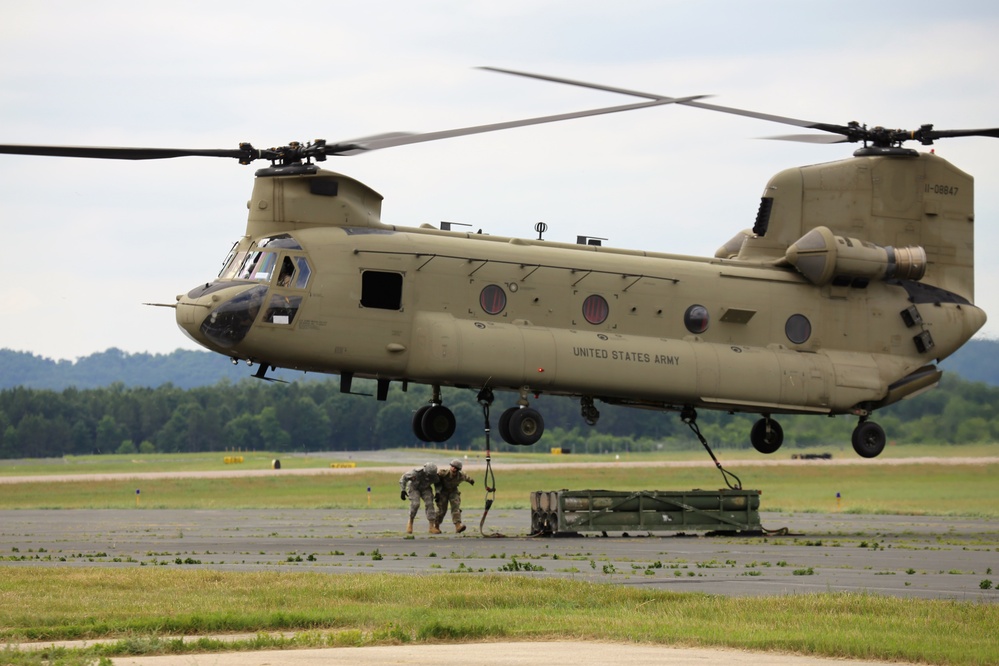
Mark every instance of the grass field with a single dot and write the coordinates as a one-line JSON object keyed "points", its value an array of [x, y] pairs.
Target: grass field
{"points": [[139, 605], [968, 489]]}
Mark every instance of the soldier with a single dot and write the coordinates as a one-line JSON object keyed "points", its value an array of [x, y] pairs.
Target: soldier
{"points": [[416, 485], [447, 491]]}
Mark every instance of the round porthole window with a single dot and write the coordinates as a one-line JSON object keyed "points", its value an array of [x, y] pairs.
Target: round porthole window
{"points": [[696, 319], [492, 299], [798, 329], [595, 309]]}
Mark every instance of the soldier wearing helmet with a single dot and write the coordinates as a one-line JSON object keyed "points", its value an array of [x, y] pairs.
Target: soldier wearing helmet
{"points": [[448, 493], [416, 485]]}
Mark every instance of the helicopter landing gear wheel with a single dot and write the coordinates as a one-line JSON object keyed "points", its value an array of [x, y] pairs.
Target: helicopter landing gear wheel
{"points": [[868, 439], [521, 426], [766, 435], [526, 426], [437, 423], [418, 423], [504, 425]]}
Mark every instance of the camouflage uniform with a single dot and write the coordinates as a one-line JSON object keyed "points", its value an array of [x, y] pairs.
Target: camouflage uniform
{"points": [[447, 492], [416, 485]]}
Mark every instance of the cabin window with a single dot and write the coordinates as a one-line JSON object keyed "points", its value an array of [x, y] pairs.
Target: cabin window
{"points": [[492, 299], [380, 289], [696, 319], [595, 309], [798, 329]]}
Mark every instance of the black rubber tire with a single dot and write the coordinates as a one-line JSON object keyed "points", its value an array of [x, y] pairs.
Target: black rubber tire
{"points": [[868, 439], [526, 426], [418, 423], [763, 441], [438, 423]]}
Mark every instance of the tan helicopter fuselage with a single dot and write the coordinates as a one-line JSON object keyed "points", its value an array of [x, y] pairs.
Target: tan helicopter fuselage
{"points": [[858, 277]]}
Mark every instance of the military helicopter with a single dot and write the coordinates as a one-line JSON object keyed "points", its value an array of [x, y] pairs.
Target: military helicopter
{"points": [[855, 280]]}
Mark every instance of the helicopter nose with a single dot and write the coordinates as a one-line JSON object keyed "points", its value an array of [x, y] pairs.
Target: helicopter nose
{"points": [[219, 316], [974, 319]]}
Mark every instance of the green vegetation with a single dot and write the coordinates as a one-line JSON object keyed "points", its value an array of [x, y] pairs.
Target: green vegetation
{"points": [[316, 416], [868, 487], [140, 606]]}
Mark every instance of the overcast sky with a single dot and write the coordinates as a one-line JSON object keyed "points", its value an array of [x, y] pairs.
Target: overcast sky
{"points": [[86, 243]]}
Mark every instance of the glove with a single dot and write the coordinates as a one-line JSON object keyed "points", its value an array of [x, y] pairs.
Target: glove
{"points": [[472, 481], [402, 494]]}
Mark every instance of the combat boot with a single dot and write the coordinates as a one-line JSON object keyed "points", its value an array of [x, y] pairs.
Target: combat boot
{"points": [[433, 528], [459, 528], [409, 528]]}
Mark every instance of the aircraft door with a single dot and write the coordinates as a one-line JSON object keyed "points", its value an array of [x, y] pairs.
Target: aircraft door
{"points": [[539, 356], [804, 379], [435, 346]]}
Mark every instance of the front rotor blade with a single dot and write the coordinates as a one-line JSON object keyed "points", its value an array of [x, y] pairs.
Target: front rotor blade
{"points": [[401, 139], [809, 138], [114, 153], [946, 134]]}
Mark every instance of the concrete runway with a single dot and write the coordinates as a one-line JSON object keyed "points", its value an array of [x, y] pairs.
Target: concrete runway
{"points": [[904, 556]]}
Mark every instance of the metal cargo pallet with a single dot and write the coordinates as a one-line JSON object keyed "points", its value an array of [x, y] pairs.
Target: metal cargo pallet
{"points": [[563, 512]]}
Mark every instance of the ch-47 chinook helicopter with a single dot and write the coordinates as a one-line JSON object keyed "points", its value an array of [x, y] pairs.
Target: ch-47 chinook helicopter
{"points": [[856, 278]]}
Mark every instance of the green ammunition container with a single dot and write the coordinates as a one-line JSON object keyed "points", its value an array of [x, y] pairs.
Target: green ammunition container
{"points": [[564, 512]]}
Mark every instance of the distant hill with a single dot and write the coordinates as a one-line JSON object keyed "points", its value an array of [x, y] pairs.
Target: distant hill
{"points": [[978, 361], [184, 369]]}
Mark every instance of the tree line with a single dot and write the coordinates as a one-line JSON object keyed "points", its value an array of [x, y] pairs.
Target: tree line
{"points": [[315, 416]]}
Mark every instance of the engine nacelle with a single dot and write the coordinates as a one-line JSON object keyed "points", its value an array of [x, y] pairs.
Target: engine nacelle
{"points": [[823, 257]]}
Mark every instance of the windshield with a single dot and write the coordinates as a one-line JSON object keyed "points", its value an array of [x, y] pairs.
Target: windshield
{"points": [[258, 266]]}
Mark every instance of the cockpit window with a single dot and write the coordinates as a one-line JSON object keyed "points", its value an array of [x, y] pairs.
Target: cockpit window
{"points": [[287, 271], [282, 241], [282, 309], [294, 273], [258, 266], [231, 265], [303, 273], [291, 271]]}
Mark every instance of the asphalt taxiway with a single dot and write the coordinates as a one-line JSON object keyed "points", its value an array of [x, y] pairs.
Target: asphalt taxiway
{"points": [[904, 556]]}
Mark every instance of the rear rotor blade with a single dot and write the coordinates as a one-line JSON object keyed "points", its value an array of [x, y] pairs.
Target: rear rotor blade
{"points": [[851, 132], [685, 101]]}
